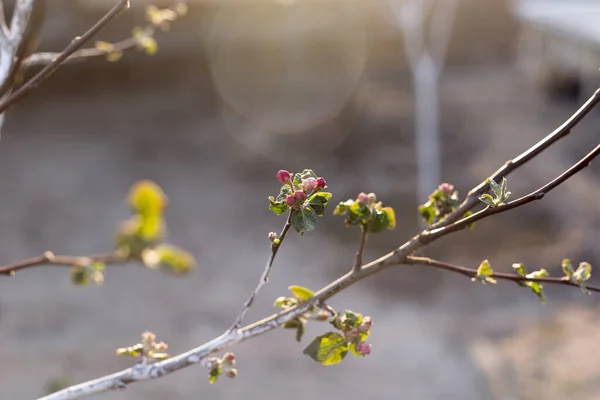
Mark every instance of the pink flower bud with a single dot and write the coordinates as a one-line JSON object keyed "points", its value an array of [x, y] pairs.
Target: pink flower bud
{"points": [[364, 349], [300, 195], [321, 183], [283, 176], [290, 200], [231, 373], [366, 324], [372, 197], [309, 184], [446, 188], [229, 358], [362, 198], [355, 332]]}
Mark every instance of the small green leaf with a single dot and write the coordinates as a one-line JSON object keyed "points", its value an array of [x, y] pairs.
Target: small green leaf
{"points": [[519, 269], [133, 351], [214, 374], [169, 258], [327, 349], [351, 319], [488, 200], [496, 188], [80, 276], [582, 274], [343, 207], [151, 227], [304, 220], [468, 214], [147, 198], [381, 220], [536, 288], [567, 267], [428, 212], [484, 273], [277, 207], [503, 187], [299, 333], [301, 293]]}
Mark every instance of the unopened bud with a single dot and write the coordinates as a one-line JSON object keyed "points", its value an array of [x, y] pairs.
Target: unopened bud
{"points": [[231, 373], [446, 188], [283, 176], [365, 324], [362, 198], [229, 358], [290, 200], [272, 236], [309, 184], [321, 183], [300, 195], [364, 349]]}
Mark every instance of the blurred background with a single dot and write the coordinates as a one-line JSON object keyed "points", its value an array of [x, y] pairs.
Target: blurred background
{"points": [[366, 93]]}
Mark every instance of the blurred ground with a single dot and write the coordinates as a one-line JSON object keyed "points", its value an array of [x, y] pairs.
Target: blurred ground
{"points": [[69, 154]]}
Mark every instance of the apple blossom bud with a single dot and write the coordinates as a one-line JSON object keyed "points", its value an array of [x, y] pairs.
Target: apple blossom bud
{"points": [[228, 359], [364, 349], [272, 236], [309, 184], [362, 198], [283, 176], [321, 183], [365, 324], [231, 373], [300, 195], [446, 188], [372, 197], [290, 200]]}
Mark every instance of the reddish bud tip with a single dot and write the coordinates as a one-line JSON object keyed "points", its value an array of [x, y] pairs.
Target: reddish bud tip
{"points": [[364, 349], [290, 200], [309, 184], [321, 183], [283, 176], [366, 324], [300, 195], [363, 198]]}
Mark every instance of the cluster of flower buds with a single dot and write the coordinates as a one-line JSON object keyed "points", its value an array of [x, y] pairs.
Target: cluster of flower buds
{"points": [[225, 365], [355, 329], [441, 202], [300, 190], [148, 348]]}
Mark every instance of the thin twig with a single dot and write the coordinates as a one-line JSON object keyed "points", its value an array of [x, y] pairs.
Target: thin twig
{"points": [[3, 25], [79, 41], [358, 258], [49, 258], [471, 273], [472, 197], [264, 278], [535, 195]]}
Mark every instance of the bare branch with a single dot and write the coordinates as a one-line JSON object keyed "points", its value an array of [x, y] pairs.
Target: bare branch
{"points": [[471, 273], [472, 197], [264, 278], [49, 258], [358, 257], [3, 26], [79, 41]]}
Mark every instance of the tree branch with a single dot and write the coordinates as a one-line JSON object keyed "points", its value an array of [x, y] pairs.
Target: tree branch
{"points": [[536, 195], [79, 41], [49, 258], [358, 258], [471, 273], [565, 129], [265, 275]]}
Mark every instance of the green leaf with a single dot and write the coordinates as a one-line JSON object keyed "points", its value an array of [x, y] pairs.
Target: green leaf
{"points": [[488, 200], [80, 276], [343, 207], [536, 288], [351, 319], [301, 293], [318, 201], [304, 220], [277, 207], [582, 274], [327, 349], [214, 374], [133, 351], [147, 198], [567, 267], [299, 333], [496, 188], [151, 227], [428, 212], [381, 220], [169, 258], [484, 273]]}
